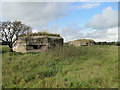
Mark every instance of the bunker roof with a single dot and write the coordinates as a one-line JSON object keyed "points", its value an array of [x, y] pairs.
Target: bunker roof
{"points": [[41, 34], [82, 40], [35, 37]]}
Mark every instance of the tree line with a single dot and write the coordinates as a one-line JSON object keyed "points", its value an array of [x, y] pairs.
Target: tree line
{"points": [[108, 43]]}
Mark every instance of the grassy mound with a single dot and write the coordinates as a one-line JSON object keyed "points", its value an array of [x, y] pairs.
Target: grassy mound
{"points": [[62, 67], [41, 34], [88, 40], [84, 40]]}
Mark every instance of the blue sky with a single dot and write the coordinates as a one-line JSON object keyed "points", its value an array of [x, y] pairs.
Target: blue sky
{"points": [[72, 20], [81, 16]]}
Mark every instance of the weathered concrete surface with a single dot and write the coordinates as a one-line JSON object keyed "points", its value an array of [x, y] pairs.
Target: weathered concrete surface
{"points": [[37, 43], [82, 42], [20, 45]]}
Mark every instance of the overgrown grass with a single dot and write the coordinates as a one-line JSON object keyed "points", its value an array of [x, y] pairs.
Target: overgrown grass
{"points": [[42, 34], [62, 67]]}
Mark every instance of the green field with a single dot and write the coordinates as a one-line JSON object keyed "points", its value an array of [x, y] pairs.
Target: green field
{"points": [[62, 67]]}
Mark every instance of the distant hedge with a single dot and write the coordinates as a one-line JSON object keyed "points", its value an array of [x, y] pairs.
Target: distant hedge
{"points": [[41, 34]]}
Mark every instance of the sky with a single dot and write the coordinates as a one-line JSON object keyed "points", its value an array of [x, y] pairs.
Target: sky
{"points": [[72, 20]]}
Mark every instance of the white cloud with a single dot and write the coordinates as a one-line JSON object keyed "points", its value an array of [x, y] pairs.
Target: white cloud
{"points": [[86, 5], [108, 19], [110, 34], [40, 14], [90, 5], [34, 14], [73, 32], [112, 31], [34, 30]]}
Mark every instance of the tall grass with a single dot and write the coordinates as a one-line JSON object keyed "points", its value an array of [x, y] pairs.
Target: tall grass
{"points": [[62, 67], [41, 34]]}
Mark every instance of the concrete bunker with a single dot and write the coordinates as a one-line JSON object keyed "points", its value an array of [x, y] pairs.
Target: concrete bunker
{"points": [[82, 42], [37, 43]]}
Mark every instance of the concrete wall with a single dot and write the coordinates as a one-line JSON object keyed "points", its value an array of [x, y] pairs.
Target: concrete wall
{"points": [[82, 43], [37, 43], [20, 46]]}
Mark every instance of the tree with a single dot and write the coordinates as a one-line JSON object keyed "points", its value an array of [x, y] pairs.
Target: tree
{"points": [[10, 31]]}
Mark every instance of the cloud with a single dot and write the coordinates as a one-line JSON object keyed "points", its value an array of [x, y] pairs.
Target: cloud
{"points": [[104, 27], [34, 14], [108, 19], [90, 5], [34, 30], [73, 32], [40, 14], [110, 34], [87, 5]]}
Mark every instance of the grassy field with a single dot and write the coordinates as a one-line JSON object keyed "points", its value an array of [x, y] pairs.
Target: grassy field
{"points": [[62, 67]]}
